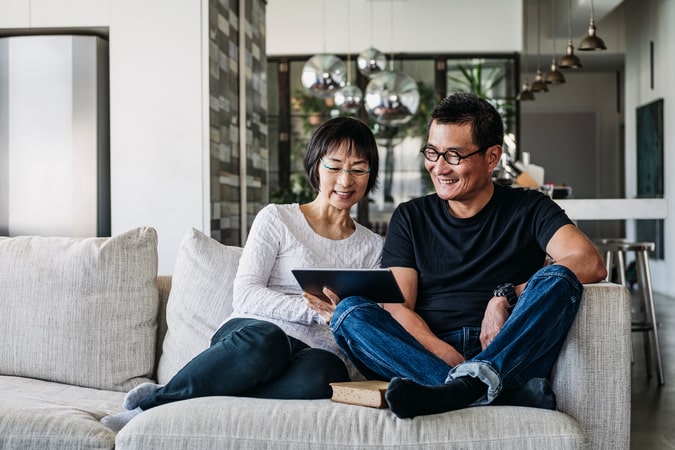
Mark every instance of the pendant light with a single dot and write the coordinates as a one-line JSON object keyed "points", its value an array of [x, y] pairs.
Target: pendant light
{"points": [[323, 74], [570, 60], [592, 41], [371, 61], [554, 76], [348, 98], [525, 94], [392, 97], [539, 85]]}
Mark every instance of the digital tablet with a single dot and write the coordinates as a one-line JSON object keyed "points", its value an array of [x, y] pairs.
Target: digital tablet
{"points": [[378, 285]]}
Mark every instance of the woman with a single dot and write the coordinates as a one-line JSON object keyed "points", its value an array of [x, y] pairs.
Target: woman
{"points": [[274, 345]]}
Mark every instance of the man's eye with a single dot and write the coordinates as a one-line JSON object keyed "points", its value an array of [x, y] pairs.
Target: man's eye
{"points": [[333, 169], [359, 171]]}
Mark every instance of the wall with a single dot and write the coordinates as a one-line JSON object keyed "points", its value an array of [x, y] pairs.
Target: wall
{"points": [[651, 20], [158, 107]]}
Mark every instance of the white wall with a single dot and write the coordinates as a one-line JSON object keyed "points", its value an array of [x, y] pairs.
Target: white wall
{"points": [[158, 110], [651, 20], [296, 27]]}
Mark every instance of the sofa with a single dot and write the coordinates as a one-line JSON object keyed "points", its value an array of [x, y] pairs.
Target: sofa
{"points": [[83, 320]]}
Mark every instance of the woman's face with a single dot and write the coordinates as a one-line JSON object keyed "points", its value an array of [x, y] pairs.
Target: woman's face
{"points": [[343, 178]]}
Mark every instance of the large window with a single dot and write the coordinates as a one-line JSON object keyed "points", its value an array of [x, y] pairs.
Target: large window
{"points": [[294, 114]]}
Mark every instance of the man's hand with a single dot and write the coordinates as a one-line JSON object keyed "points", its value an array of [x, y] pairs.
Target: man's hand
{"points": [[495, 316], [325, 307]]}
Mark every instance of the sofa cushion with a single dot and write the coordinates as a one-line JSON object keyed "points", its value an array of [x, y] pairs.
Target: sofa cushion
{"points": [[39, 415], [79, 311], [252, 423], [200, 299]]}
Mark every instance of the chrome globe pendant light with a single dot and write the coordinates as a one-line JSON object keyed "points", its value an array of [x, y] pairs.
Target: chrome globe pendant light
{"points": [[554, 76], [539, 85], [349, 97], [570, 60], [371, 61], [392, 97], [526, 93], [591, 41], [323, 74]]}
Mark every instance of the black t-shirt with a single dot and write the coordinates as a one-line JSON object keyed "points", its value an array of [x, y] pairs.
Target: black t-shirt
{"points": [[460, 261]]}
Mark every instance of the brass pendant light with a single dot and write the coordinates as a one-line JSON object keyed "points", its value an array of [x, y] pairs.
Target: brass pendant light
{"points": [[570, 60], [592, 41], [525, 94], [539, 85], [554, 76]]}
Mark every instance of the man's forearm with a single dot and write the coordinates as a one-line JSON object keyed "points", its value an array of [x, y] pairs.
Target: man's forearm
{"points": [[419, 329]]}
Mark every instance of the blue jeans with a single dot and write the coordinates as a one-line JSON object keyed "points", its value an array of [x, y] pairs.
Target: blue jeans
{"points": [[253, 358], [525, 348]]}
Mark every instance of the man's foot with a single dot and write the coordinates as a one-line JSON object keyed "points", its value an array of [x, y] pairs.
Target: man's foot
{"points": [[117, 421], [536, 393], [138, 394], [408, 399]]}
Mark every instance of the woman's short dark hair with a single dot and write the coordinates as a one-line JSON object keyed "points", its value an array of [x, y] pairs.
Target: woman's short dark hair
{"points": [[487, 128], [337, 133]]}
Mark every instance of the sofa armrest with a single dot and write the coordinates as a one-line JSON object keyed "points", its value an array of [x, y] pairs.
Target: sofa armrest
{"points": [[592, 377]]}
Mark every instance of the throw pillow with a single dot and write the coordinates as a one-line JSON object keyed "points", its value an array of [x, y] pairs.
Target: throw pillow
{"points": [[79, 311], [199, 301]]}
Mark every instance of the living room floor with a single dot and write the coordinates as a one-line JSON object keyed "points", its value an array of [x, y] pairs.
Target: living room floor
{"points": [[653, 407]]}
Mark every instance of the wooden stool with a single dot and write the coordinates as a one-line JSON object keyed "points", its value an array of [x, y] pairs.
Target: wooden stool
{"points": [[617, 248]]}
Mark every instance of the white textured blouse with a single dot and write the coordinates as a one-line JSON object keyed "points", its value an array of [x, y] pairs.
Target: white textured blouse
{"points": [[265, 288]]}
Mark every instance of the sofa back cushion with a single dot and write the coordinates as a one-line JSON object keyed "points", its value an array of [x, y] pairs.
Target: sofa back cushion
{"points": [[79, 311], [199, 301]]}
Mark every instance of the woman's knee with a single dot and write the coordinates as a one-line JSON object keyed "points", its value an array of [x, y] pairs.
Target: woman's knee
{"points": [[256, 334]]}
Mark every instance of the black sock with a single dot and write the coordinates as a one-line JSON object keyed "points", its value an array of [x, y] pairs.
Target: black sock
{"points": [[536, 393], [408, 399]]}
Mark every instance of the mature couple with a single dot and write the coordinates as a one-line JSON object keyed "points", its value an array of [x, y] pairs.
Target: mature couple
{"points": [[483, 320]]}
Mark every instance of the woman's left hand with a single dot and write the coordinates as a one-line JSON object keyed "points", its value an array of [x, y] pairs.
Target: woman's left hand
{"points": [[325, 307]]}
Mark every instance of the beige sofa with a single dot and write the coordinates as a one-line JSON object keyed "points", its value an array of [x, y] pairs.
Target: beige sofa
{"points": [[84, 320]]}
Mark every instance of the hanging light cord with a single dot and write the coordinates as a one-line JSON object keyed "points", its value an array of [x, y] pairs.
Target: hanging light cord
{"points": [[538, 34], [554, 53], [569, 19]]}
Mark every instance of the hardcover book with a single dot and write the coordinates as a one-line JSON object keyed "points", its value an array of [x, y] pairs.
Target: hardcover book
{"points": [[363, 393]]}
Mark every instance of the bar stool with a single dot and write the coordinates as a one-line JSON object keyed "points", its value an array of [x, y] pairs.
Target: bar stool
{"points": [[617, 248]]}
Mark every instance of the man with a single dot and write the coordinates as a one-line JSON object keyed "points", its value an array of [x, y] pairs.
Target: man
{"points": [[483, 315]]}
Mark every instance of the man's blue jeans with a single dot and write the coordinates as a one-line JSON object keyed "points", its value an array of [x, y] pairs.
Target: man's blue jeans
{"points": [[525, 348]]}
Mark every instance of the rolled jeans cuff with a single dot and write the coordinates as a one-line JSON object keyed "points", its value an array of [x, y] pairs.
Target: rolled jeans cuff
{"points": [[484, 372]]}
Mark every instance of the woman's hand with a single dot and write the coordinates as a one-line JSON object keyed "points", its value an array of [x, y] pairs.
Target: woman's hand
{"points": [[325, 307]]}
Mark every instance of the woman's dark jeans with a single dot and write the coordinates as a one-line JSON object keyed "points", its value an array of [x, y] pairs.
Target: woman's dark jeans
{"points": [[253, 358]]}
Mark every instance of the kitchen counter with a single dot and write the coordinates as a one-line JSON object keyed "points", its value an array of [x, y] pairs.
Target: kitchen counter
{"points": [[614, 208]]}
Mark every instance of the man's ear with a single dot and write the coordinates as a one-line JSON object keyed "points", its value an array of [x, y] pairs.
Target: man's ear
{"points": [[493, 154]]}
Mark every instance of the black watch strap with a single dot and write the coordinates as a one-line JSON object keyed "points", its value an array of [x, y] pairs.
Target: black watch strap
{"points": [[506, 290]]}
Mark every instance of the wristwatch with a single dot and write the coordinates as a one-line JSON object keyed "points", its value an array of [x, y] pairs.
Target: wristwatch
{"points": [[506, 290]]}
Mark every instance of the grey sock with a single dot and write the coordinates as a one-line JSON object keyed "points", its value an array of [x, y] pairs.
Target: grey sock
{"points": [[137, 394], [117, 421]]}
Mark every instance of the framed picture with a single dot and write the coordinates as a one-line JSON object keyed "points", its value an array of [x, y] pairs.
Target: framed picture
{"points": [[650, 179]]}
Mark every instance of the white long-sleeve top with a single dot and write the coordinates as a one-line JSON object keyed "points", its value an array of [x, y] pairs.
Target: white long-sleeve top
{"points": [[264, 287]]}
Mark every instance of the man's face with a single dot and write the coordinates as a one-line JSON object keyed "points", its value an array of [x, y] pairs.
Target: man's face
{"points": [[472, 176]]}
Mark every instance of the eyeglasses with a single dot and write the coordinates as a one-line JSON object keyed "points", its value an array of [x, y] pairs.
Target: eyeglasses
{"points": [[355, 172], [452, 157]]}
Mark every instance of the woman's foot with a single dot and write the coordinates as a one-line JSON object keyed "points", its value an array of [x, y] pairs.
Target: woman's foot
{"points": [[117, 421], [138, 394]]}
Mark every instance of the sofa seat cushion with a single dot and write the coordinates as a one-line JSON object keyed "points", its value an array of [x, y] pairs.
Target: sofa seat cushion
{"points": [[36, 414], [80, 311], [248, 423]]}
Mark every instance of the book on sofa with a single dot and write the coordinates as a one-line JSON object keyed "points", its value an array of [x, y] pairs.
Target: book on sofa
{"points": [[362, 393]]}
